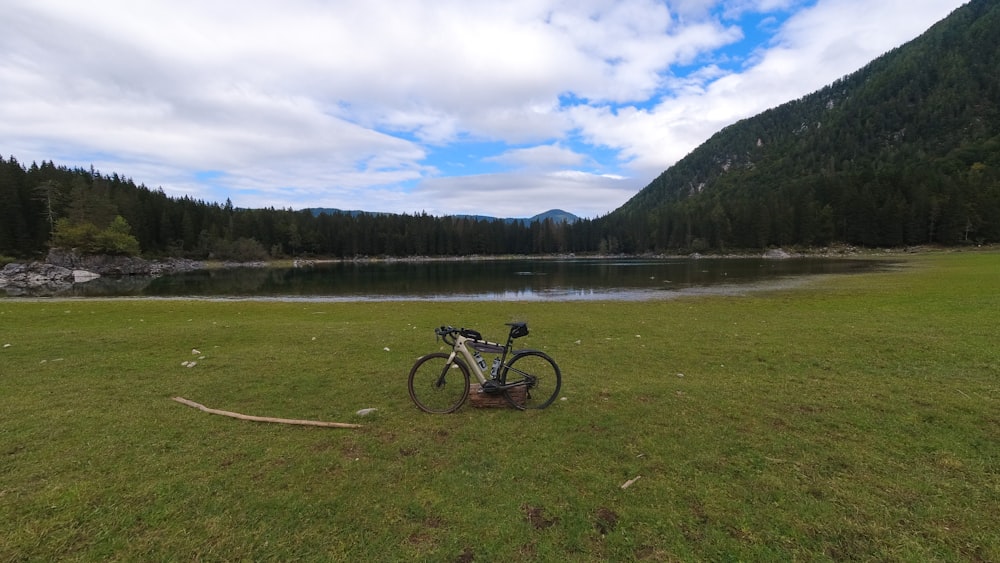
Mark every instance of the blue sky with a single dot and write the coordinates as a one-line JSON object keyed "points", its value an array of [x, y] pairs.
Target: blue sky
{"points": [[439, 106]]}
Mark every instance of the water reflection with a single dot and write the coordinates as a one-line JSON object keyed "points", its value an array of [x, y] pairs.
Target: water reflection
{"points": [[460, 280]]}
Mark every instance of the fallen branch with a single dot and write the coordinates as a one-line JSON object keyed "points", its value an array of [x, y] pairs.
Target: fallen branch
{"points": [[202, 407], [629, 483]]}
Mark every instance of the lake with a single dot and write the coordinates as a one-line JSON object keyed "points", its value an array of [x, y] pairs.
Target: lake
{"points": [[503, 280]]}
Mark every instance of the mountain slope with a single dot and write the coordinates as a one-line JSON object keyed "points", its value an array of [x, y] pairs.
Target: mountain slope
{"points": [[904, 151]]}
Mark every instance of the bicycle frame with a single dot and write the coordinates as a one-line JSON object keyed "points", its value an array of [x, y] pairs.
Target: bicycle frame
{"points": [[462, 348]]}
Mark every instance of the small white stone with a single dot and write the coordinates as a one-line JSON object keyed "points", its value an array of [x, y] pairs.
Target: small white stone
{"points": [[366, 412]]}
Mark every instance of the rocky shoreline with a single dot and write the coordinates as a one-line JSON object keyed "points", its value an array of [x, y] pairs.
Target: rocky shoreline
{"points": [[62, 269]]}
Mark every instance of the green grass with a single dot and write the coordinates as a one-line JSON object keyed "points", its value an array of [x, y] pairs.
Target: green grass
{"points": [[856, 418]]}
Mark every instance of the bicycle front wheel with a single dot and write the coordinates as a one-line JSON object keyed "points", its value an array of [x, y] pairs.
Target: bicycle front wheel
{"points": [[437, 386], [536, 380]]}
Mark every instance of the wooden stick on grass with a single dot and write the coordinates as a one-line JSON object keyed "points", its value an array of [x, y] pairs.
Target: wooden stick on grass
{"points": [[202, 407], [629, 483]]}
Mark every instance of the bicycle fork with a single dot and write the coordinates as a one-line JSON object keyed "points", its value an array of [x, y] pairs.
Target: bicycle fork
{"points": [[444, 371]]}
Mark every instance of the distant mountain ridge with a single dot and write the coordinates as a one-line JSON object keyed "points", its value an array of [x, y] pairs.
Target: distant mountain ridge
{"points": [[555, 215]]}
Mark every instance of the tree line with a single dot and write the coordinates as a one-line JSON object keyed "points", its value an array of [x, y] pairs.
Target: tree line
{"points": [[43, 205], [46, 205]]}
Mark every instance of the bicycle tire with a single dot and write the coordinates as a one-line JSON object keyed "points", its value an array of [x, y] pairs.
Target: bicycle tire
{"points": [[435, 390], [541, 376]]}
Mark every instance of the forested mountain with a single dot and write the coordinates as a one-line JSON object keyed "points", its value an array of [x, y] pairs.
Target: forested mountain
{"points": [[904, 151]]}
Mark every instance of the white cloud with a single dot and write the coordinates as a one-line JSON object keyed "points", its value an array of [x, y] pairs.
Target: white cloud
{"points": [[345, 104], [525, 195], [733, 9], [541, 157]]}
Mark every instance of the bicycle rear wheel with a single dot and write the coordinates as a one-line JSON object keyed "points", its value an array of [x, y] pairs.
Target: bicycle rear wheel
{"points": [[437, 386], [539, 377]]}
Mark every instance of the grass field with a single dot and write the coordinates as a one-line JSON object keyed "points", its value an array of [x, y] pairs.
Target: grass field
{"points": [[857, 417]]}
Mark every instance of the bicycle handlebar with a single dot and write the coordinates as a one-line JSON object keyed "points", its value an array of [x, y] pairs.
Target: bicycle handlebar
{"points": [[443, 330], [447, 333]]}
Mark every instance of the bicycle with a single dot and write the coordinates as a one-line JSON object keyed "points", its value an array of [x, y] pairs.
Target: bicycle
{"points": [[527, 378]]}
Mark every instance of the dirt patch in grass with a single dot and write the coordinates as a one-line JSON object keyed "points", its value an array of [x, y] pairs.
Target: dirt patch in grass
{"points": [[606, 520], [352, 451], [537, 518]]}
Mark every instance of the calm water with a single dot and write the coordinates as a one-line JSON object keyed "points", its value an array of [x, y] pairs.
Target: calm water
{"points": [[541, 280]]}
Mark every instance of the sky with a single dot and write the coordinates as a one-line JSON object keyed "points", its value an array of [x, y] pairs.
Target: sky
{"points": [[506, 108]]}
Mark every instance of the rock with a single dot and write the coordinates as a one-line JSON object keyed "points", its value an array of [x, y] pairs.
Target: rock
{"points": [[63, 268], [24, 279], [107, 265], [776, 254], [252, 264], [366, 412], [174, 266], [81, 276]]}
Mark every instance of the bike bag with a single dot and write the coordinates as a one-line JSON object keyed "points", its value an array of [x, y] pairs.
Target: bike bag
{"points": [[473, 334], [517, 330], [487, 347]]}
